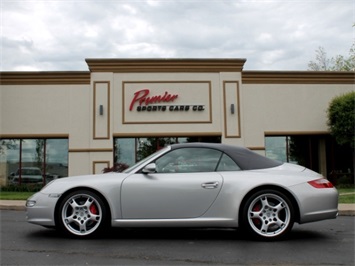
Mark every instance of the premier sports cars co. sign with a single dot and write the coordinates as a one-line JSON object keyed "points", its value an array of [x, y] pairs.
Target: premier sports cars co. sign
{"points": [[167, 102], [144, 101]]}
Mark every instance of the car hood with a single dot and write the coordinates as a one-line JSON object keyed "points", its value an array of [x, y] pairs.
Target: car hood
{"points": [[99, 182]]}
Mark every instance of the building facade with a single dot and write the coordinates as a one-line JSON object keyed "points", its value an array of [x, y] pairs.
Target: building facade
{"points": [[80, 122]]}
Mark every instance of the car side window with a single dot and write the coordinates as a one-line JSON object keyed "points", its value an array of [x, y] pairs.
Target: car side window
{"points": [[227, 164], [187, 160]]}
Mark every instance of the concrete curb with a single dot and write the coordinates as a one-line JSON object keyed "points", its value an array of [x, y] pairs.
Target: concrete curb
{"points": [[13, 205], [19, 205], [346, 209]]}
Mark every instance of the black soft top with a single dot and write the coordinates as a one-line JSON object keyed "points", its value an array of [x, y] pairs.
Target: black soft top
{"points": [[243, 157]]}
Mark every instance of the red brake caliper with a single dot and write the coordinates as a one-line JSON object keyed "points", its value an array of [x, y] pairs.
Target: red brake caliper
{"points": [[93, 209], [256, 208]]}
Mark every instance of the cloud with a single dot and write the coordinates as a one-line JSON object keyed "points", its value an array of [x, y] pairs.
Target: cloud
{"points": [[271, 35]]}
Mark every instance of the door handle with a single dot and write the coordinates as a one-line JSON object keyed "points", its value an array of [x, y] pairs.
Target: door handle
{"points": [[210, 185]]}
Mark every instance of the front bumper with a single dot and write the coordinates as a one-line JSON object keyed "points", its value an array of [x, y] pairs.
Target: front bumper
{"points": [[40, 209]]}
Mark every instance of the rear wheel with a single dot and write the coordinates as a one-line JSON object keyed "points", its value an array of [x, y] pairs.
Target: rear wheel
{"points": [[82, 213], [268, 215]]}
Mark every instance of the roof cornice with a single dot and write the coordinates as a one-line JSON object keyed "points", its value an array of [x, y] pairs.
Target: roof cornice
{"points": [[178, 65], [44, 78], [298, 77], [165, 65]]}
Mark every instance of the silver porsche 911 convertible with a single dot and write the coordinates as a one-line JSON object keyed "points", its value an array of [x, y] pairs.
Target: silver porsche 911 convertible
{"points": [[189, 185]]}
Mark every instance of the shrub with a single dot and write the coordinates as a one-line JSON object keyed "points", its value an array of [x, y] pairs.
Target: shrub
{"points": [[22, 188], [344, 180]]}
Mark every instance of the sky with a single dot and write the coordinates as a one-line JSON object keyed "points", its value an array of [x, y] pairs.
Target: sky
{"points": [[58, 35]]}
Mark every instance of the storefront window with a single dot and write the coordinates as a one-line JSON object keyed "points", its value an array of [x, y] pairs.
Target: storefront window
{"points": [[302, 150], [32, 161], [276, 148], [147, 146], [32, 154], [292, 149], [125, 150], [9, 159], [56, 158], [131, 150]]}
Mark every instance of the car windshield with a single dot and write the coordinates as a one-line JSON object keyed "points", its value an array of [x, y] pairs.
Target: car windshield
{"points": [[140, 163]]}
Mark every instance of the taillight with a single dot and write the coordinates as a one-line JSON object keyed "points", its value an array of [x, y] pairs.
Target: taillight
{"points": [[321, 183]]}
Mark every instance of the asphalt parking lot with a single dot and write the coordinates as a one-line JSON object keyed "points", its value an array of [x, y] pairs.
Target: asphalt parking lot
{"points": [[329, 242]]}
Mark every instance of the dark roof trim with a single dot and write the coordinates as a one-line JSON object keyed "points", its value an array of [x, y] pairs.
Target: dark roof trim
{"points": [[45, 78], [297, 77], [165, 65], [178, 65]]}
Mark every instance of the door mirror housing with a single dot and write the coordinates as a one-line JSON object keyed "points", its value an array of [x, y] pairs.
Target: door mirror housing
{"points": [[149, 168]]}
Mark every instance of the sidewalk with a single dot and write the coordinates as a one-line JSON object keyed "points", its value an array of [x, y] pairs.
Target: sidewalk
{"points": [[19, 205]]}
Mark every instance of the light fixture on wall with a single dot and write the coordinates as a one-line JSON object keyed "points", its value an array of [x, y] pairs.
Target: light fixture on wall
{"points": [[101, 109], [232, 108]]}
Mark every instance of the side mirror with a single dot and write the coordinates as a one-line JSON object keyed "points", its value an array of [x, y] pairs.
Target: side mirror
{"points": [[149, 169]]}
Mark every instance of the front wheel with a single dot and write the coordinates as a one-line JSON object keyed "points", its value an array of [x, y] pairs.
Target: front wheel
{"points": [[82, 213], [268, 215]]}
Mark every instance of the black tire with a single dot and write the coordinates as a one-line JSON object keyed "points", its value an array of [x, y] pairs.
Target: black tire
{"points": [[268, 215], [81, 214]]}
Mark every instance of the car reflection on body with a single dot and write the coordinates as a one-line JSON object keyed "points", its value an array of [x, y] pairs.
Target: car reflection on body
{"points": [[189, 185]]}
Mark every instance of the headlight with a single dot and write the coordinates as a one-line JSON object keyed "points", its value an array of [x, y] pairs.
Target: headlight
{"points": [[30, 203]]}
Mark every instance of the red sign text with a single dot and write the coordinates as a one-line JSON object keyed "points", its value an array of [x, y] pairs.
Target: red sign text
{"points": [[141, 97]]}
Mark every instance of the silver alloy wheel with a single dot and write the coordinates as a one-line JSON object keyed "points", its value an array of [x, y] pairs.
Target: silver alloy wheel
{"points": [[269, 215], [81, 214]]}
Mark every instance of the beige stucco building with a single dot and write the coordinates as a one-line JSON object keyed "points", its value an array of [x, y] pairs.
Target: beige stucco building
{"points": [[133, 99]]}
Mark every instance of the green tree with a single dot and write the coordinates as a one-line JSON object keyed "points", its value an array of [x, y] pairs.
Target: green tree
{"points": [[7, 144], [341, 118], [337, 63]]}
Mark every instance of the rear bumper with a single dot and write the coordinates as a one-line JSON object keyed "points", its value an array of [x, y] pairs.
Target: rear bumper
{"points": [[316, 204], [319, 215]]}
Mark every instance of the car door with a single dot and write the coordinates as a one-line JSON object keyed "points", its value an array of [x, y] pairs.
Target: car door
{"points": [[184, 185]]}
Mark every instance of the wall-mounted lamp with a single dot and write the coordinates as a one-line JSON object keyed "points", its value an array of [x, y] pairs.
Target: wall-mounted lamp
{"points": [[232, 108], [101, 109]]}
